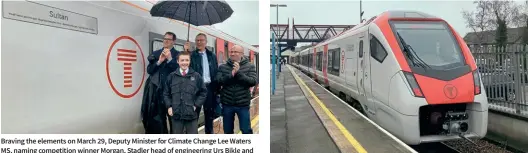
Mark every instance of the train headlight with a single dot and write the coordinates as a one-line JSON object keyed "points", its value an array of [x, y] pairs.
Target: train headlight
{"points": [[414, 84], [476, 82]]}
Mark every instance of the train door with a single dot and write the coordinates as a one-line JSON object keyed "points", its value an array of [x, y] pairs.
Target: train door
{"points": [[349, 65], [361, 73], [367, 84]]}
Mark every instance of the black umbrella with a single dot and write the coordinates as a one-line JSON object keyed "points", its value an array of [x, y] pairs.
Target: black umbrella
{"points": [[197, 13]]}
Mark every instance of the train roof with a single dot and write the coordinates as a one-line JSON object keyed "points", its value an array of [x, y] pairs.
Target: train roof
{"points": [[400, 14], [142, 8]]}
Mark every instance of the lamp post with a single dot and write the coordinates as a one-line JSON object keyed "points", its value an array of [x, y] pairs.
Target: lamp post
{"points": [[277, 19], [361, 11]]}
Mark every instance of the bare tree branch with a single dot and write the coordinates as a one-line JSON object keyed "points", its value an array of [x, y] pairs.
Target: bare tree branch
{"points": [[484, 20]]}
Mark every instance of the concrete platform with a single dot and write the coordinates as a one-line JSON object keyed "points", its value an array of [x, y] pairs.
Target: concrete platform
{"points": [[306, 118], [254, 115]]}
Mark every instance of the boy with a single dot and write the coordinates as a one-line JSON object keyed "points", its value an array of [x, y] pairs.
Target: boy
{"points": [[184, 92]]}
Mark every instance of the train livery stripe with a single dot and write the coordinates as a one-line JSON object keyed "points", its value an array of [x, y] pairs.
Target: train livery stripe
{"points": [[219, 48], [325, 64], [251, 56], [314, 60], [383, 23]]}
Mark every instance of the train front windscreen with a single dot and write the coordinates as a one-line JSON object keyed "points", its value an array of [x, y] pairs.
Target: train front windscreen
{"points": [[428, 45]]}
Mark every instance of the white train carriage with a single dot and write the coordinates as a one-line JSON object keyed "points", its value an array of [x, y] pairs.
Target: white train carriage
{"points": [[62, 71], [408, 71]]}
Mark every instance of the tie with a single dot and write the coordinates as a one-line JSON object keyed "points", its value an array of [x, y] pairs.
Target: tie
{"points": [[183, 73]]}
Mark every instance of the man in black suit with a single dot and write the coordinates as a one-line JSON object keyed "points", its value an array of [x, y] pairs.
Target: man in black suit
{"points": [[161, 63]]}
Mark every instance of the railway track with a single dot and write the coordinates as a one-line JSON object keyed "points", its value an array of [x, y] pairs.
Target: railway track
{"points": [[435, 147]]}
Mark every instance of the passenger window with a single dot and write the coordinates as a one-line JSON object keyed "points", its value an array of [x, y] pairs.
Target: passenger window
{"points": [[329, 57], [361, 49], [377, 51], [178, 47], [156, 45], [337, 59]]}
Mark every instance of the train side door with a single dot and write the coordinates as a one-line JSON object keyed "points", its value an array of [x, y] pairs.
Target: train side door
{"points": [[349, 65], [360, 73], [367, 83]]}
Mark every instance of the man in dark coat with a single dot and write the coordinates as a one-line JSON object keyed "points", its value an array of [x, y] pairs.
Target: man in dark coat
{"points": [[236, 77], [161, 63], [204, 62]]}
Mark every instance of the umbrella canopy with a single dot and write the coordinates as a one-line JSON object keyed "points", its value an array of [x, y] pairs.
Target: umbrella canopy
{"points": [[197, 13]]}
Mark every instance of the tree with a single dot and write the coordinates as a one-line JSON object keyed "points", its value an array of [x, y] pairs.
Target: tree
{"points": [[479, 20], [492, 19], [523, 22], [493, 16]]}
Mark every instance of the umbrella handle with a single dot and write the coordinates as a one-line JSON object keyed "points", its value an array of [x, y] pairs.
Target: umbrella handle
{"points": [[188, 23], [188, 30]]}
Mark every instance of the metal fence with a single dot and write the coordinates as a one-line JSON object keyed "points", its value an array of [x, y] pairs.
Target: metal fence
{"points": [[503, 70]]}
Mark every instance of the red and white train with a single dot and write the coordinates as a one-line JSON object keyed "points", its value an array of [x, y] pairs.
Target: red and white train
{"points": [[408, 71]]}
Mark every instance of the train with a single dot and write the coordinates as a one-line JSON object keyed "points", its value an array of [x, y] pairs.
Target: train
{"points": [[408, 71], [62, 71]]}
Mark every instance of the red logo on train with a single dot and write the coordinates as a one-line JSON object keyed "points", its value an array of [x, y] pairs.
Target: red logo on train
{"points": [[125, 66], [450, 91]]}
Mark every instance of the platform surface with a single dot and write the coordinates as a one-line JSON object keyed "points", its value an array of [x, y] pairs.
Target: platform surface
{"points": [[254, 116], [307, 118]]}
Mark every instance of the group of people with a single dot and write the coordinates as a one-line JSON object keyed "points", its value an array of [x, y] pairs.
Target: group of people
{"points": [[180, 84]]}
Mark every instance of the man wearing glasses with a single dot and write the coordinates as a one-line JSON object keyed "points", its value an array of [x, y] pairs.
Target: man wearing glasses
{"points": [[204, 62], [161, 63], [236, 77]]}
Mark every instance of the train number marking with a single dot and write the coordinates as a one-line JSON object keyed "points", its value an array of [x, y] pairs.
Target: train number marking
{"points": [[120, 66]]}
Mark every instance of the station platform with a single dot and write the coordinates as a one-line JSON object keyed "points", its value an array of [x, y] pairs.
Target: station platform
{"points": [[254, 116], [305, 117]]}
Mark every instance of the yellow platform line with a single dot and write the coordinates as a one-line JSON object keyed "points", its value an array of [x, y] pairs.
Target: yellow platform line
{"points": [[342, 128], [253, 123]]}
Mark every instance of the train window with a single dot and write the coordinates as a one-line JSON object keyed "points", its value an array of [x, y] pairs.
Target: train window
{"points": [[336, 59], [156, 45], [320, 61], [329, 59], [178, 47], [377, 51], [311, 60], [305, 60], [297, 59], [360, 48]]}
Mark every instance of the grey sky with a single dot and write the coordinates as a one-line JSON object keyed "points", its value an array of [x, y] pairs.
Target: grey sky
{"points": [[244, 22], [347, 12]]}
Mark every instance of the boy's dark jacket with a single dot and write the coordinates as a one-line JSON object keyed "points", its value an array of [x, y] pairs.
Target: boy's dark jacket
{"points": [[183, 92]]}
